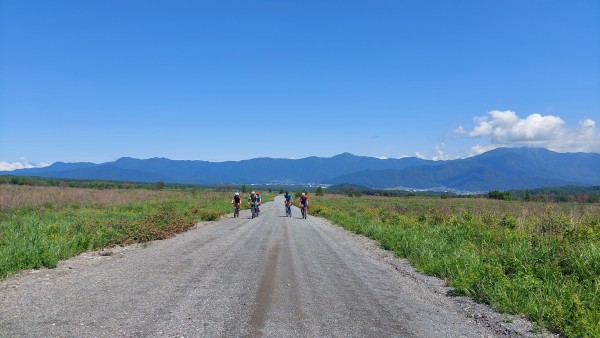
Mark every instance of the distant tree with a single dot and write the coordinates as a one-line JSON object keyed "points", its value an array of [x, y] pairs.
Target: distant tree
{"points": [[499, 195], [281, 191], [319, 191], [159, 185], [244, 188], [594, 199], [526, 196], [353, 193]]}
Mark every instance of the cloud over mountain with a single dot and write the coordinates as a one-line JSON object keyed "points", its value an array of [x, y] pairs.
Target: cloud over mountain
{"points": [[506, 128], [21, 164]]}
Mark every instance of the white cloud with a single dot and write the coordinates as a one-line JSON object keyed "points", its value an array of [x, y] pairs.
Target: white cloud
{"points": [[460, 130], [421, 156], [21, 164], [439, 153], [588, 123], [506, 128], [382, 157], [6, 166], [479, 149]]}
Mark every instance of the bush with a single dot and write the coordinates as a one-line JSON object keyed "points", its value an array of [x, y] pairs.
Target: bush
{"points": [[498, 195], [207, 215], [319, 191]]}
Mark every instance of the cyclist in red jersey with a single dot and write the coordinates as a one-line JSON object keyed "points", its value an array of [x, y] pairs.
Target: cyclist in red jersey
{"points": [[304, 204]]}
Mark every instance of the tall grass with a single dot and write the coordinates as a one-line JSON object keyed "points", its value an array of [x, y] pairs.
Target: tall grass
{"points": [[13, 196], [539, 260], [41, 225]]}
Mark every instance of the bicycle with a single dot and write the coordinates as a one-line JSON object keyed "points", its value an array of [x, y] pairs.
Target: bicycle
{"points": [[254, 209], [236, 210], [303, 210], [288, 209]]}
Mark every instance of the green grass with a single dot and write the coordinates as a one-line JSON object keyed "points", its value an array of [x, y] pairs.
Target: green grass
{"points": [[39, 232], [539, 260]]}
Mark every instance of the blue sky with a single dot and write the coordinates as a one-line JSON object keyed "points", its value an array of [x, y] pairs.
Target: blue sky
{"points": [[230, 80]]}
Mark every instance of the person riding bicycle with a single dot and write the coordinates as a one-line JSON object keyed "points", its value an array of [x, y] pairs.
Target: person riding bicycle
{"points": [[304, 201], [259, 200], [236, 203], [288, 203], [253, 200]]}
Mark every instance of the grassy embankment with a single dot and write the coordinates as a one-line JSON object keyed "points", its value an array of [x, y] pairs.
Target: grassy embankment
{"points": [[537, 259], [41, 225]]}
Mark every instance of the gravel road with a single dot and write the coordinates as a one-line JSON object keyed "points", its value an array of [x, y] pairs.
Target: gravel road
{"points": [[272, 276]]}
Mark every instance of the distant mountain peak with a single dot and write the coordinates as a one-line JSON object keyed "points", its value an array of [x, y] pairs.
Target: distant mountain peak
{"points": [[518, 150], [345, 155], [127, 158]]}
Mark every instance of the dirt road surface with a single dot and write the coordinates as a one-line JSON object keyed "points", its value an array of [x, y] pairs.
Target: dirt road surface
{"points": [[272, 276]]}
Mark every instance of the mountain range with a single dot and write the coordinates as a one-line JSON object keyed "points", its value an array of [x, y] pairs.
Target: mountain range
{"points": [[502, 169]]}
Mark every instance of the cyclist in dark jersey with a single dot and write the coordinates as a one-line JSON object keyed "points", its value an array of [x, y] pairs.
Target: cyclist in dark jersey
{"points": [[253, 201], [288, 203], [236, 203]]}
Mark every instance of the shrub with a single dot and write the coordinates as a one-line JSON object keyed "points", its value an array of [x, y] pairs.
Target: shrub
{"points": [[319, 191], [498, 195]]}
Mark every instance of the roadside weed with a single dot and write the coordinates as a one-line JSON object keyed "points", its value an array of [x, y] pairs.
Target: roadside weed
{"points": [[541, 260]]}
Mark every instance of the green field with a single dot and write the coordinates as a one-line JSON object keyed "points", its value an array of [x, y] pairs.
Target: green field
{"points": [[541, 260], [41, 225]]}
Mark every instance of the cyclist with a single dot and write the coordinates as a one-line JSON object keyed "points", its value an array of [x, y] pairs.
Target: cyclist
{"points": [[253, 201], [236, 204], [304, 204], [259, 200], [288, 203]]}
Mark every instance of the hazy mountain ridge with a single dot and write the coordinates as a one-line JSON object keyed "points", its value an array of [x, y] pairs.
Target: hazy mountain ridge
{"points": [[504, 169]]}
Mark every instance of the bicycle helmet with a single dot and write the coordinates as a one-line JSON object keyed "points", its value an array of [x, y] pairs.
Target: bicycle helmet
{"points": [[303, 194], [253, 193], [237, 193]]}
